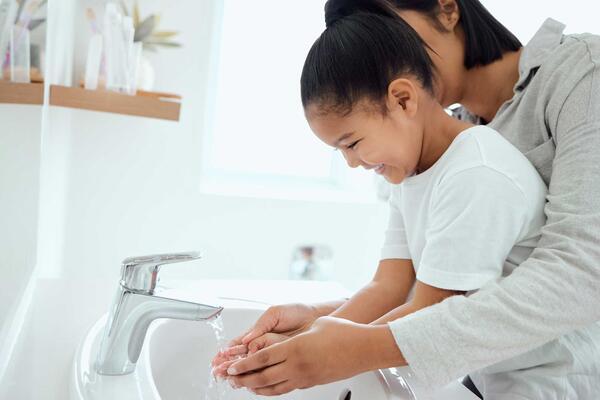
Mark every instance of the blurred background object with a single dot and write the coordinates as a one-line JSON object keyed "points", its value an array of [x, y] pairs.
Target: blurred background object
{"points": [[23, 21], [312, 262]]}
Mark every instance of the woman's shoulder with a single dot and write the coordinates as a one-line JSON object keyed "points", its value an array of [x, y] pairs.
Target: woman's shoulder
{"points": [[576, 55], [588, 43], [558, 78], [552, 55], [569, 85]]}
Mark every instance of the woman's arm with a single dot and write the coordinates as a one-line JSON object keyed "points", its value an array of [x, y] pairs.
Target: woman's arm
{"points": [[424, 296], [388, 289]]}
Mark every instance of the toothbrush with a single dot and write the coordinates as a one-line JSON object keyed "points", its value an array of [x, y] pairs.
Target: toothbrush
{"points": [[25, 17], [91, 16]]}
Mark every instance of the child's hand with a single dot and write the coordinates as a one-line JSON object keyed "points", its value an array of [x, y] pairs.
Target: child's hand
{"points": [[265, 340], [288, 319], [226, 357]]}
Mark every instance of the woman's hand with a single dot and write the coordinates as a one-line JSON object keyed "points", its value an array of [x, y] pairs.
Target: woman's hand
{"points": [[332, 349]]}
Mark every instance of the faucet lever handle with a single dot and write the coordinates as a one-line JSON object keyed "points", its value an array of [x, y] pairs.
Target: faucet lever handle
{"points": [[141, 273]]}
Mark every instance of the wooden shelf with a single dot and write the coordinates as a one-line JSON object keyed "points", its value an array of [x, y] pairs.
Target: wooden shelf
{"points": [[145, 104], [21, 93]]}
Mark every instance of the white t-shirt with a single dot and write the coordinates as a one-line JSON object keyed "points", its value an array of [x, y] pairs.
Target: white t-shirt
{"points": [[472, 217]]}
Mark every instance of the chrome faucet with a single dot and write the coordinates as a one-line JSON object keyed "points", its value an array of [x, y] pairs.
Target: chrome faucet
{"points": [[136, 306]]}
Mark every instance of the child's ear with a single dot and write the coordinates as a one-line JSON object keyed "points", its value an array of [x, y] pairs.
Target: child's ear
{"points": [[402, 94]]}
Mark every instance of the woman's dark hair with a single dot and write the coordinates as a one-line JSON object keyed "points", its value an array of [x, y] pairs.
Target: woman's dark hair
{"points": [[486, 39], [357, 57]]}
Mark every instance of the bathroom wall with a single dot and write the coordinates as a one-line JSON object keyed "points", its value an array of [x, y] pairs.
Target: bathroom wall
{"points": [[27, 159], [20, 135]]}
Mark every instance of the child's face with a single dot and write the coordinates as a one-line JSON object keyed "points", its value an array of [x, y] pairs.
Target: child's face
{"points": [[388, 144]]}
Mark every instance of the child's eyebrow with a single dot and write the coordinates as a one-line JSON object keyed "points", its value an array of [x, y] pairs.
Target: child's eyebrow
{"points": [[344, 136]]}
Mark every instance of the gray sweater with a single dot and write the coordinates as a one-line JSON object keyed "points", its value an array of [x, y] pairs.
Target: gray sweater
{"points": [[554, 119]]}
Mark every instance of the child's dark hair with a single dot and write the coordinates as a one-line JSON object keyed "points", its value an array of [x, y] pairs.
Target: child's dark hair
{"points": [[358, 56], [486, 39]]}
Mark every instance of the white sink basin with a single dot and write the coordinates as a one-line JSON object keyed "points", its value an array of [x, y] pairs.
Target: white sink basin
{"points": [[175, 364], [182, 370]]}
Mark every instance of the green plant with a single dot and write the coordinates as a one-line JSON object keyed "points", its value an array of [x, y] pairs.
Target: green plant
{"points": [[146, 30]]}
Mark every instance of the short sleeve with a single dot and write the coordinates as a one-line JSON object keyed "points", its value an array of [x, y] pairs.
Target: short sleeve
{"points": [[476, 217], [395, 245]]}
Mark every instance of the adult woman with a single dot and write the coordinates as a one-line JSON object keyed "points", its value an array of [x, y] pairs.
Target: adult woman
{"points": [[545, 99]]}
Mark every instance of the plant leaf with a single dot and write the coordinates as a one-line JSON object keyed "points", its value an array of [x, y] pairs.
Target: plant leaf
{"points": [[136, 14], [153, 38], [165, 34], [35, 23], [164, 44], [145, 29]]}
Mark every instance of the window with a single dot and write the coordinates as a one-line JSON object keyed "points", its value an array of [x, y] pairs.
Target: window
{"points": [[258, 139]]}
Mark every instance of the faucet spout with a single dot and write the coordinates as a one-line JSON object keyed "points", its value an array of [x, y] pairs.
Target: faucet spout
{"points": [[136, 305], [128, 323]]}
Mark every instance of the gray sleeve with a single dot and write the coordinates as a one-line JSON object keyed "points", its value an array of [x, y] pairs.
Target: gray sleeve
{"points": [[553, 292]]}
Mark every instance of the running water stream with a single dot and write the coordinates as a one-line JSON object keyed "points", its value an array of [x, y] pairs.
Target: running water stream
{"points": [[219, 388]]}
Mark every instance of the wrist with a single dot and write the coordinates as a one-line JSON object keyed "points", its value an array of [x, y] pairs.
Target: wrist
{"points": [[383, 352], [326, 308]]}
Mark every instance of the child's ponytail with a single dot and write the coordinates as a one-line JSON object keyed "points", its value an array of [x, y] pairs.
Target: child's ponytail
{"points": [[359, 55]]}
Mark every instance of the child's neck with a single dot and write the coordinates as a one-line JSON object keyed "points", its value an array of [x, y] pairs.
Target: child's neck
{"points": [[439, 131]]}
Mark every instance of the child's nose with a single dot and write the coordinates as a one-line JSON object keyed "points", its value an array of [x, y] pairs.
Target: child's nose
{"points": [[351, 158]]}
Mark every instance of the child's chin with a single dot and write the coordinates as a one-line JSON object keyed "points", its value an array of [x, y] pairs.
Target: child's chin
{"points": [[394, 180]]}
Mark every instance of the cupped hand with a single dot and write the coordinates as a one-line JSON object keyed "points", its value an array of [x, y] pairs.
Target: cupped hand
{"points": [[228, 356], [285, 319], [332, 349]]}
